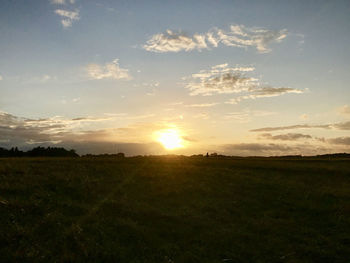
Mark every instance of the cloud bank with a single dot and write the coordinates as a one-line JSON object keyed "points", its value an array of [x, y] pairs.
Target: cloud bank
{"points": [[237, 36], [274, 149], [137, 138], [340, 140], [335, 126], [285, 137]]}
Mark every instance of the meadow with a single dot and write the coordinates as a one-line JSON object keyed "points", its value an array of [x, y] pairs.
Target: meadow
{"points": [[174, 209]]}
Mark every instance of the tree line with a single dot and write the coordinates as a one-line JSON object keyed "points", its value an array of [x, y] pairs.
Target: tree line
{"points": [[38, 152]]}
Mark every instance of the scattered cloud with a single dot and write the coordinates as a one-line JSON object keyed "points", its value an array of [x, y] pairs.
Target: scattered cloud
{"points": [[110, 70], [67, 17], [237, 36], [222, 79], [285, 137], [335, 126]]}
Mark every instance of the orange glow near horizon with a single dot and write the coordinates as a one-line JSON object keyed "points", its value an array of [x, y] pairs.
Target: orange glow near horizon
{"points": [[170, 139]]}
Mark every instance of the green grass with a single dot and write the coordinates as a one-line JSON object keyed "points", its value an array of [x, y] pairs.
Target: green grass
{"points": [[174, 209]]}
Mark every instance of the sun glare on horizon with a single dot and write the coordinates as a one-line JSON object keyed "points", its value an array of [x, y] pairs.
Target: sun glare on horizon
{"points": [[170, 139]]}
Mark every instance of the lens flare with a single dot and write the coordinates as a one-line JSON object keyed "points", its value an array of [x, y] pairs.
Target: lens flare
{"points": [[170, 139]]}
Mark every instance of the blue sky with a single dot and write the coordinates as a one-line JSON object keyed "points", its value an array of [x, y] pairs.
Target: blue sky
{"points": [[76, 72]]}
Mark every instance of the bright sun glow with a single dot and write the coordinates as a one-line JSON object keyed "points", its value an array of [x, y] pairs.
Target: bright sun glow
{"points": [[170, 139]]}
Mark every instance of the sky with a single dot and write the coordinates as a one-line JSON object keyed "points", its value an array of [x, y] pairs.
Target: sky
{"points": [[247, 78]]}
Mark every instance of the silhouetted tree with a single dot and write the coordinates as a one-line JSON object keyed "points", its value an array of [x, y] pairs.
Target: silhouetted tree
{"points": [[38, 152]]}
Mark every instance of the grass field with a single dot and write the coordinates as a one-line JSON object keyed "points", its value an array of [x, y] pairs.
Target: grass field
{"points": [[174, 209]]}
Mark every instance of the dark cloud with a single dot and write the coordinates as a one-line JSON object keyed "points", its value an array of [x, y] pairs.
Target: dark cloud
{"points": [[285, 137], [273, 149], [271, 91], [342, 125], [337, 126], [264, 92], [340, 141]]}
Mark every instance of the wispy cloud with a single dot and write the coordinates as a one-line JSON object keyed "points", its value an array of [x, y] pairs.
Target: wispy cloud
{"points": [[202, 105], [243, 37], [62, 2], [264, 92], [176, 103], [68, 17], [246, 115], [237, 36], [1, 78], [335, 126], [203, 116], [174, 42], [110, 70], [39, 79]]}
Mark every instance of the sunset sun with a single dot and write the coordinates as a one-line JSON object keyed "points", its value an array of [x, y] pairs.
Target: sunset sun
{"points": [[170, 139]]}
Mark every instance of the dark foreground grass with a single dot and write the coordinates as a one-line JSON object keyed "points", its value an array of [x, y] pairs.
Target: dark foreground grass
{"points": [[174, 209]]}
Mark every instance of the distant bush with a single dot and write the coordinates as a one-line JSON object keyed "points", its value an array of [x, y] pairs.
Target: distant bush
{"points": [[118, 155]]}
